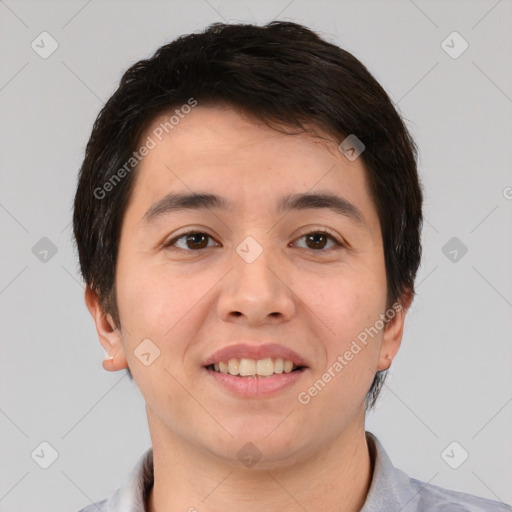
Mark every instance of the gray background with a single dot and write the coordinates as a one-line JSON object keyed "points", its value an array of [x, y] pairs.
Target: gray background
{"points": [[451, 380]]}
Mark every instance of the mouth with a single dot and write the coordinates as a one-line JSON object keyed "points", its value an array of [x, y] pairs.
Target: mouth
{"points": [[255, 371], [255, 378], [255, 368]]}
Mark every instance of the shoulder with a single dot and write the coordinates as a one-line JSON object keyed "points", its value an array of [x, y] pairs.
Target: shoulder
{"points": [[94, 507], [130, 495], [392, 489], [430, 498]]}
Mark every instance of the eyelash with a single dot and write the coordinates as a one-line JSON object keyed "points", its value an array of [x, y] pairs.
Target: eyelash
{"points": [[326, 232]]}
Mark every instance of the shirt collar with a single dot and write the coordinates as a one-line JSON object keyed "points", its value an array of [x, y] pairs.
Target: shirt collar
{"points": [[389, 488], [131, 495]]}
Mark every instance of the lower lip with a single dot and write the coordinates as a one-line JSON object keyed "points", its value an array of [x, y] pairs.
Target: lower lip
{"points": [[253, 388]]}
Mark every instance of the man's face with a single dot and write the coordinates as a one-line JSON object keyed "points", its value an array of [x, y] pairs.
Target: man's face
{"points": [[251, 275]]}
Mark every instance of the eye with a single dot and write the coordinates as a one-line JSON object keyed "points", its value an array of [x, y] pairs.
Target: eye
{"points": [[195, 240], [192, 240], [317, 240]]}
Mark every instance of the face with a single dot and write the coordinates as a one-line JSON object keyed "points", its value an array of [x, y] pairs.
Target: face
{"points": [[300, 283]]}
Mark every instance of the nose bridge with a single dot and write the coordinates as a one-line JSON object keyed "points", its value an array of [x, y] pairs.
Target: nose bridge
{"points": [[256, 286], [255, 258]]}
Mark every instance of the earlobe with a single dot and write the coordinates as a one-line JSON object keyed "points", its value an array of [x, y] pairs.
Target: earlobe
{"points": [[108, 335], [393, 331]]}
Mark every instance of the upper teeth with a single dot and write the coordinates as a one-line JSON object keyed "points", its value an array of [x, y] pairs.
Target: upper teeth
{"points": [[264, 367]]}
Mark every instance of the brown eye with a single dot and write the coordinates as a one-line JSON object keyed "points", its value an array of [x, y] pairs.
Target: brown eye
{"points": [[193, 240], [317, 240], [196, 240]]}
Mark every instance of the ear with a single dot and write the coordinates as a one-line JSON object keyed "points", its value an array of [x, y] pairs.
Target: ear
{"points": [[108, 334], [393, 330]]}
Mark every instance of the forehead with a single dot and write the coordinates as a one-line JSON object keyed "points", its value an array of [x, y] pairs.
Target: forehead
{"points": [[217, 133], [215, 149]]}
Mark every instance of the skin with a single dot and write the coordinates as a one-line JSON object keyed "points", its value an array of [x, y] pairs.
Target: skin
{"points": [[313, 300]]}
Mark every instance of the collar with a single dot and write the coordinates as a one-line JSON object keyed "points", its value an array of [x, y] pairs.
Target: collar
{"points": [[390, 489]]}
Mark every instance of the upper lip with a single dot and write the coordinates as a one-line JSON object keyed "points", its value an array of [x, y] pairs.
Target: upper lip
{"points": [[260, 351]]}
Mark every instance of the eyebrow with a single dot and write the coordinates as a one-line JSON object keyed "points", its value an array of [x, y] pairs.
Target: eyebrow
{"points": [[177, 202]]}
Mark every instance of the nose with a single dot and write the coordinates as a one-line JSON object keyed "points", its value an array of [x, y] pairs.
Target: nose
{"points": [[257, 289]]}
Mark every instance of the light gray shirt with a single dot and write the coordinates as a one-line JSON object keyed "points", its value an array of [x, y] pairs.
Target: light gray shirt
{"points": [[391, 490]]}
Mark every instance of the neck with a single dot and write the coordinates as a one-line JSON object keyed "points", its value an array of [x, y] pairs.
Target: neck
{"points": [[338, 478]]}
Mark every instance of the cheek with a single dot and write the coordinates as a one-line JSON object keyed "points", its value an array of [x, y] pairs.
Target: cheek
{"points": [[352, 300], [339, 385], [153, 304], [350, 305], [163, 303]]}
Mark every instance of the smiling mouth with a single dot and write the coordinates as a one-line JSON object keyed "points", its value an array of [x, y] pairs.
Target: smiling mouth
{"points": [[254, 369]]}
